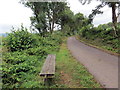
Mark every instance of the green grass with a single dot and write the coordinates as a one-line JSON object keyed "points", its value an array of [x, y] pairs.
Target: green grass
{"points": [[0, 41], [98, 44], [70, 73]]}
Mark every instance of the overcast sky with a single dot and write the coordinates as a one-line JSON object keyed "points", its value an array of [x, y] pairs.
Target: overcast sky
{"points": [[13, 13]]}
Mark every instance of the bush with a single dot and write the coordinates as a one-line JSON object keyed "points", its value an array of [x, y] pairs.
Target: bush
{"points": [[15, 68], [14, 58], [39, 51], [103, 34], [21, 67], [19, 40]]}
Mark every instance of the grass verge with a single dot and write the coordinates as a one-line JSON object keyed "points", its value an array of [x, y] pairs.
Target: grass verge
{"points": [[0, 42], [70, 73], [99, 45]]}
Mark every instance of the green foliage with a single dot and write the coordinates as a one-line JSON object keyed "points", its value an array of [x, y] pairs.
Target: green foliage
{"points": [[80, 21], [49, 14], [19, 40], [71, 23], [13, 72], [21, 68], [66, 30], [103, 34], [36, 51], [46, 15]]}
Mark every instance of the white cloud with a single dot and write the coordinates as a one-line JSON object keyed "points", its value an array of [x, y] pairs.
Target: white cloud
{"points": [[13, 13], [76, 6], [103, 18], [86, 9]]}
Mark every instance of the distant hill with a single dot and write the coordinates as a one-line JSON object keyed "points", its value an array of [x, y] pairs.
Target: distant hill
{"points": [[3, 34]]}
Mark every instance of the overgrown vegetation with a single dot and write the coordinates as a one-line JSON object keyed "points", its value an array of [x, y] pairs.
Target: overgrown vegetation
{"points": [[101, 36], [26, 53], [20, 40]]}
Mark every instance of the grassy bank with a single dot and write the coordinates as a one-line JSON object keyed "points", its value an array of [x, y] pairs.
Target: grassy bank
{"points": [[70, 73], [102, 37], [99, 45]]}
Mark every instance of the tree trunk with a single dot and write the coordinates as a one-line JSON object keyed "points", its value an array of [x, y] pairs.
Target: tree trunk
{"points": [[114, 17], [53, 21], [49, 20], [36, 12], [52, 25]]}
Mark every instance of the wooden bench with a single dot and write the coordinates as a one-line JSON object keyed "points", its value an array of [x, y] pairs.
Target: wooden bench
{"points": [[48, 69]]}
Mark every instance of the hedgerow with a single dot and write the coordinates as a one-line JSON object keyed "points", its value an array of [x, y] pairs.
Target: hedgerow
{"points": [[103, 35], [24, 59]]}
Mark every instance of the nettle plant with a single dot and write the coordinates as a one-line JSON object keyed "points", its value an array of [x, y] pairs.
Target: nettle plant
{"points": [[19, 40]]}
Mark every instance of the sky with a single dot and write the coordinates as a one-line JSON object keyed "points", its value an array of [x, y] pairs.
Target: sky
{"points": [[12, 13]]}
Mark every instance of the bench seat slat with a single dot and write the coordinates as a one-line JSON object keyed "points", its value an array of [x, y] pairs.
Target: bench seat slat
{"points": [[49, 66]]}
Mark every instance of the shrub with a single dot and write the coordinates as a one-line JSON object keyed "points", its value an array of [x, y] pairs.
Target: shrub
{"points": [[19, 40], [13, 72], [21, 67], [103, 34], [14, 58], [36, 51]]}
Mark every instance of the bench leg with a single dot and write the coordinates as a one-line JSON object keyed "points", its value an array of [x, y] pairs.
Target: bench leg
{"points": [[47, 81]]}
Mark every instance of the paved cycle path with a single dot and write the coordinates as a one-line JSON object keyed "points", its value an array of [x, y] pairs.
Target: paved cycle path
{"points": [[103, 66]]}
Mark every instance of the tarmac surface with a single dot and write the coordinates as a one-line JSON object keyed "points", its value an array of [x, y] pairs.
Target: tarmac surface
{"points": [[103, 66]]}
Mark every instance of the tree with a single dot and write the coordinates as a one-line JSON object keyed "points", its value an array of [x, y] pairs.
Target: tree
{"points": [[105, 2], [95, 12], [54, 13], [38, 20], [110, 4], [46, 15], [118, 17], [66, 17], [85, 1], [80, 21], [70, 23]]}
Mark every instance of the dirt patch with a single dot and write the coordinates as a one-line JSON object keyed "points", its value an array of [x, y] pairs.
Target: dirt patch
{"points": [[65, 78]]}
